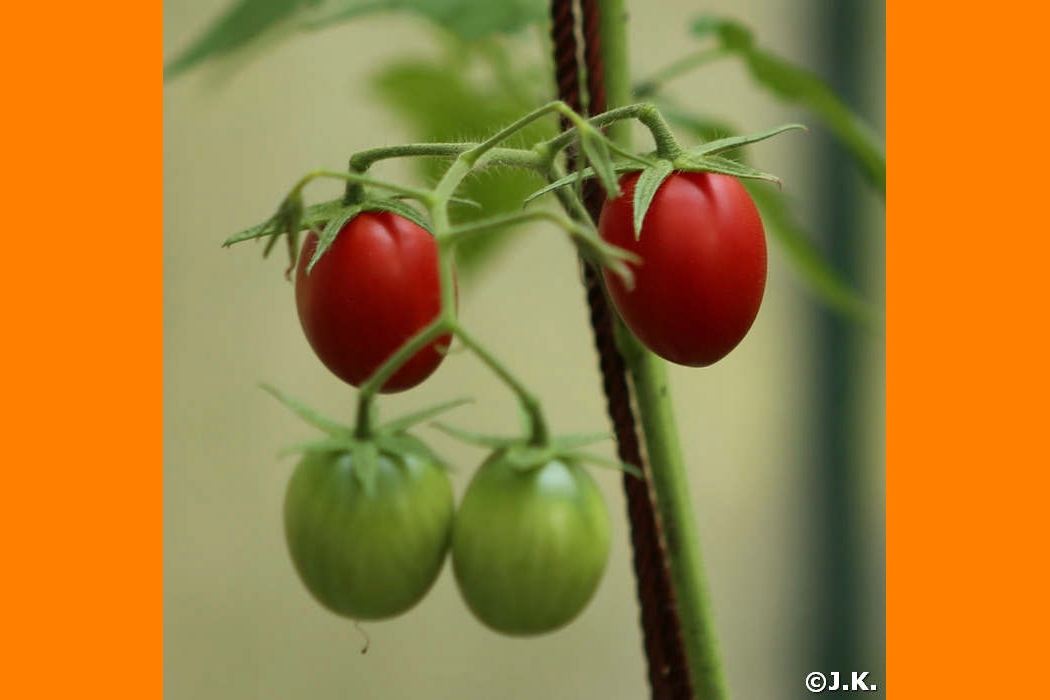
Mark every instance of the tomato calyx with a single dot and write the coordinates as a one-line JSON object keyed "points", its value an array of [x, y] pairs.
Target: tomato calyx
{"points": [[325, 219], [524, 456], [391, 440]]}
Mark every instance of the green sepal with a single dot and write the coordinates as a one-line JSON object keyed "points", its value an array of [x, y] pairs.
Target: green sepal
{"points": [[565, 443], [645, 188], [399, 207], [691, 161], [613, 258], [333, 444], [365, 454], [406, 444], [308, 414], [407, 421], [477, 439], [596, 149], [618, 167], [731, 142], [331, 230], [605, 463]]}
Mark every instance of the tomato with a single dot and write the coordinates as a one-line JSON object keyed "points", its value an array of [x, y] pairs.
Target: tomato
{"points": [[529, 548], [699, 286], [364, 555], [372, 290]]}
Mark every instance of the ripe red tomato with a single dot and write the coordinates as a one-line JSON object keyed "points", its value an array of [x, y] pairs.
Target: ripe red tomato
{"points": [[703, 271], [372, 290]]}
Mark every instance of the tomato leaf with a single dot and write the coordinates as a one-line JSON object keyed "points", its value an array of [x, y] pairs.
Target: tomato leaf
{"points": [[564, 443], [248, 22], [242, 24], [796, 85], [645, 188], [307, 414], [826, 284], [732, 34]]}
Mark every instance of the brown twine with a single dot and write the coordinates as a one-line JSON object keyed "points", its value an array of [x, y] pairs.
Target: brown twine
{"points": [[665, 652]]}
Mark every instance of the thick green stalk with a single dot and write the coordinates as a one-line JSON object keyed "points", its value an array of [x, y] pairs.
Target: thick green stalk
{"points": [[652, 394]]}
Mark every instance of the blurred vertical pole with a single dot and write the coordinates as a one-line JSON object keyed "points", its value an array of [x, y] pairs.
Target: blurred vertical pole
{"points": [[839, 366]]}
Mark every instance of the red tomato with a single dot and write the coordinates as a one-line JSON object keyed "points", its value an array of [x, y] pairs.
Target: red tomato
{"points": [[372, 290], [703, 270]]}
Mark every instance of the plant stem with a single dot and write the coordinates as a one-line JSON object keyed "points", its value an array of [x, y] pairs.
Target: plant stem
{"points": [[667, 470]]}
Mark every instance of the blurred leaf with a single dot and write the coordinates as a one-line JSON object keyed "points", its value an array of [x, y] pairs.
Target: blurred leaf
{"points": [[245, 21], [797, 85], [249, 20], [442, 101], [811, 265]]}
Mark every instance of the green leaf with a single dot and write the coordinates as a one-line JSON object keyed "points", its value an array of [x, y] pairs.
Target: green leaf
{"points": [[240, 25], [564, 443], [476, 19], [249, 21], [796, 85], [645, 188], [827, 285], [733, 35], [468, 94]]}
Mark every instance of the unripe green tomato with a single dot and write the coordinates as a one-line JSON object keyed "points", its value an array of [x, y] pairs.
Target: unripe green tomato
{"points": [[529, 548], [368, 556]]}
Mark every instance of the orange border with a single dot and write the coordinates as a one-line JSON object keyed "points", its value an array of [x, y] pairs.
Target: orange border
{"points": [[967, 258], [81, 518]]}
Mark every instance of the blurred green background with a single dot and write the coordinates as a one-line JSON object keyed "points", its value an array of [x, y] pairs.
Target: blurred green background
{"points": [[237, 622]]}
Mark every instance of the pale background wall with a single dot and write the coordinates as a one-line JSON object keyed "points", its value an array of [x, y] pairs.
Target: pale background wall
{"points": [[237, 622]]}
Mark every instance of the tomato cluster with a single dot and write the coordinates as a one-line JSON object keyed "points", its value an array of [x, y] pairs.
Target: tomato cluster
{"points": [[529, 544]]}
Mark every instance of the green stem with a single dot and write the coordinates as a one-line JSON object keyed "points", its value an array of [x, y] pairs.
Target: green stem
{"points": [[358, 178], [667, 469], [539, 435]]}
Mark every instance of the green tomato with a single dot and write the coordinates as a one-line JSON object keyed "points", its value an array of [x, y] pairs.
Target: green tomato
{"points": [[364, 555], [529, 547]]}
